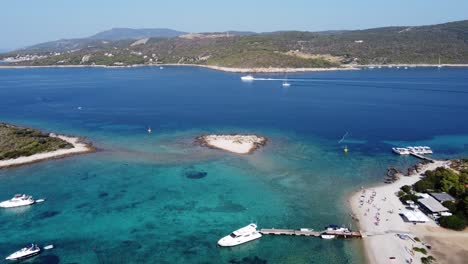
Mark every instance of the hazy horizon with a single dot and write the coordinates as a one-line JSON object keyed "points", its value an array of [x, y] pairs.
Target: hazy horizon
{"points": [[33, 22]]}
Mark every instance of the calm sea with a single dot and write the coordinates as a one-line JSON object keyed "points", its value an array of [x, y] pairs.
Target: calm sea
{"points": [[136, 200]]}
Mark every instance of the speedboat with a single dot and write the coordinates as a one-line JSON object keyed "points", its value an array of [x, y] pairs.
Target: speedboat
{"points": [[18, 200], [286, 84], [247, 78], [240, 236], [324, 236], [30, 250]]}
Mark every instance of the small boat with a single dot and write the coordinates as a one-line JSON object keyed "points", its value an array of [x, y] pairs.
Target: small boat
{"points": [[18, 200], [345, 149], [247, 78], [286, 84], [337, 228], [40, 200], [240, 236], [30, 250], [49, 247], [161, 68], [149, 130], [325, 236]]}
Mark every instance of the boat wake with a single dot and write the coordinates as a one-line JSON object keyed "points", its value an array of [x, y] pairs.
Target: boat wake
{"points": [[343, 138]]}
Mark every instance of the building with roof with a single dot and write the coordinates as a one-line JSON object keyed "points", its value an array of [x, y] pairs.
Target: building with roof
{"points": [[432, 206], [415, 217], [442, 197]]}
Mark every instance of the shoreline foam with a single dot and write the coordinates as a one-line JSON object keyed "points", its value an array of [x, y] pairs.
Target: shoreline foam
{"points": [[79, 147]]}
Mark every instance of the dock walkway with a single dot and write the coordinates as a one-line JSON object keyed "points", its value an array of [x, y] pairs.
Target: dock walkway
{"points": [[419, 156], [292, 232]]}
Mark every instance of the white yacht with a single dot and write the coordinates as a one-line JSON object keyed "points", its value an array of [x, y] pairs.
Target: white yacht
{"points": [[240, 236], [26, 252], [411, 150], [401, 151], [247, 78], [18, 200], [324, 236], [286, 84]]}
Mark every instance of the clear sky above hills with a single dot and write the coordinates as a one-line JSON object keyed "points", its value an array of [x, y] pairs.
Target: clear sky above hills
{"points": [[27, 22]]}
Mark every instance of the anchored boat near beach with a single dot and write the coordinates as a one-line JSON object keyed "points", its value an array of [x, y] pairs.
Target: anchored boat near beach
{"points": [[240, 236], [413, 150]]}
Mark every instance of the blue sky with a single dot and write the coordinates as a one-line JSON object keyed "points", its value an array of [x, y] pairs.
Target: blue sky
{"points": [[26, 22]]}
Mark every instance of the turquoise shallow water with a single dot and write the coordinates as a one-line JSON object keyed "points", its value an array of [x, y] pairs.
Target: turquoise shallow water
{"points": [[133, 202]]}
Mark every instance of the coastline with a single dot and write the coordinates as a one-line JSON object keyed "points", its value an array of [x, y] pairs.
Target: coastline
{"points": [[79, 147], [212, 67], [380, 236], [423, 65], [241, 70]]}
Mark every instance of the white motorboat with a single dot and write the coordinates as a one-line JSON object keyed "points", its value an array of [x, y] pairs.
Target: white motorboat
{"points": [[286, 84], [18, 200], [337, 228], [247, 78], [240, 236], [415, 150], [401, 151], [26, 252], [324, 236]]}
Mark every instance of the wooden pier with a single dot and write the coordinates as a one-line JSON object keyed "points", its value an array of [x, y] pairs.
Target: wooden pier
{"points": [[304, 232]]}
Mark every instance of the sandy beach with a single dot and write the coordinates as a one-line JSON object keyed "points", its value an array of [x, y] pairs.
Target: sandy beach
{"points": [[239, 144], [78, 147], [377, 211]]}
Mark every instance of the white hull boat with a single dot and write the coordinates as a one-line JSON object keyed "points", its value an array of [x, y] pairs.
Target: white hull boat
{"points": [[18, 200], [24, 253], [247, 78], [327, 236], [240, 236], [411, 150]]}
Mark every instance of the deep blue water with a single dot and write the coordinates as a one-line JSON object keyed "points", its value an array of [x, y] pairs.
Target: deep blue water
{"points": [[134, 202]]}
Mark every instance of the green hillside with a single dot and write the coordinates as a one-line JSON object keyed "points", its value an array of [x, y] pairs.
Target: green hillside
{"points": [[389, 45]]}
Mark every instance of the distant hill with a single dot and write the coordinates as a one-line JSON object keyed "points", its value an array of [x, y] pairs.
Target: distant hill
{"points": [[104, 38], [388, 45], [129, 33]]}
